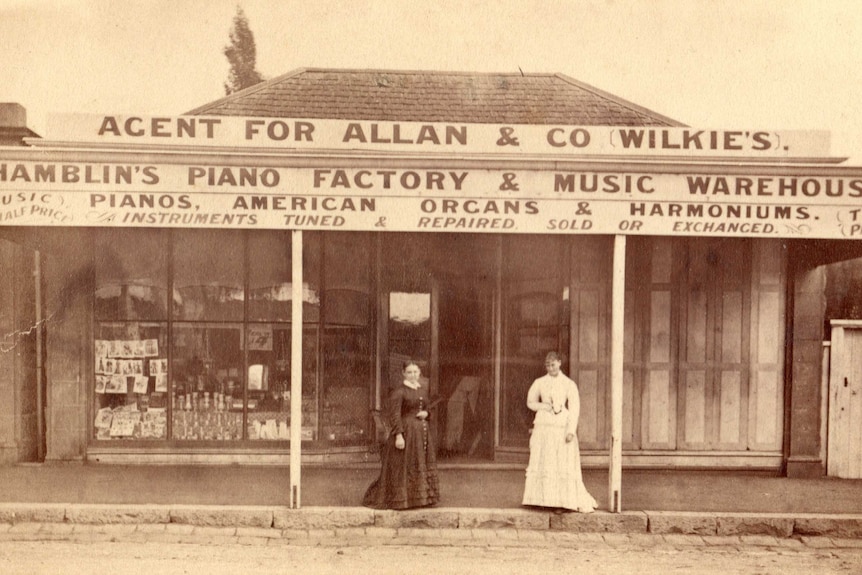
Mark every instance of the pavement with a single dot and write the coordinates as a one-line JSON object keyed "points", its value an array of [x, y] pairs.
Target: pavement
{"points": [[480, 505]]}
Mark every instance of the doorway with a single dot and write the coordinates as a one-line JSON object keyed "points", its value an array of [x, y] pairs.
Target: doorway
{"points": [[437, 299]]}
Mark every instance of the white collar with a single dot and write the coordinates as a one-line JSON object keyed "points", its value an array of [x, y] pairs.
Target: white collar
{"points": [[416, 385]]}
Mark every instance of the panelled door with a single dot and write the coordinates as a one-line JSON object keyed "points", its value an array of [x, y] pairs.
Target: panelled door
{"points": [[715, 312], [704, 347]]}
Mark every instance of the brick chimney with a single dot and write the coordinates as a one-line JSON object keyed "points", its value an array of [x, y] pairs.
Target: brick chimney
{"points": [[13, 125]]}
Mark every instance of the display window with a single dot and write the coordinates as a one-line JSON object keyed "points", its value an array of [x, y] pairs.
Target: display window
{"points": [[536, 318], [269, 390], [130, 364], [206, 392], [212, 362], [346, 395], [208, 283], [346, 338], [131, 371], [131, 276]]}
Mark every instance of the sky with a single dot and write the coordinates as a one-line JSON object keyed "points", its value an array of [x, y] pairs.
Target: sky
{"points": [[769, 64]]}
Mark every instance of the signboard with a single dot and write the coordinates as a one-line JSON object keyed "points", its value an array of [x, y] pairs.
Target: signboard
{"points": [[631, 201], [434, 138]]}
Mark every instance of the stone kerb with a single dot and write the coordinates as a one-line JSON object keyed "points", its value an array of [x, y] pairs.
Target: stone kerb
{"points": [[503, 518], [322, 518], [841, 526], [31, 513], [219, 516], [681, 523], [775, 525], [781, 526], [600, 522], [417, 518], [103, 514]]}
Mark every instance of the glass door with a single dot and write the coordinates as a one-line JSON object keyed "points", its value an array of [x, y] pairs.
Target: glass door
{"points": [[409, 334], [437, 302], [466, 414]]}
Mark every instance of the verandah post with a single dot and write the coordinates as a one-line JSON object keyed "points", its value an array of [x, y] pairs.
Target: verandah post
{"points": [[617, 339], [296, 368]]}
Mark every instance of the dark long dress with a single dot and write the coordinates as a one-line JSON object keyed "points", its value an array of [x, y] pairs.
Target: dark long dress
{"points": [[408, 477]]}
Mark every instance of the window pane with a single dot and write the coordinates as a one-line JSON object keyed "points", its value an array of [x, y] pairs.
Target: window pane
{"points": [[130, 379], [409, 315], [131, 274], [348, 279], [347, 351], [409, 332], [348, 380], [208, 275], [269, 276], [535, 316], [269, 382], [207, 382]]}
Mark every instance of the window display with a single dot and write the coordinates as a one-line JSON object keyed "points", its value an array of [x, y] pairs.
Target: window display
{"points": [[130, 381], [212, 362], [269, 396], [347, 374], [346, 394], [206, 392]]}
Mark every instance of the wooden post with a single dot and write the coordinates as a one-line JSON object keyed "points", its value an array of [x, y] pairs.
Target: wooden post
{"points": [[296, 369], [617, 337]]}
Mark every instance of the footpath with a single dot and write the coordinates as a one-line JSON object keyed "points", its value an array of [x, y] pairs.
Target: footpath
{"points": [[480, 507]]}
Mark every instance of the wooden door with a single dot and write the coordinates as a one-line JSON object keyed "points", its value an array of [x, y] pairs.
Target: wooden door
{"points": [[704, 345], [844, 451], [714, 345]]}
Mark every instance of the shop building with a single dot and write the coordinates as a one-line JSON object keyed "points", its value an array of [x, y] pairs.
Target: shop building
{"points": [[689, 277]]}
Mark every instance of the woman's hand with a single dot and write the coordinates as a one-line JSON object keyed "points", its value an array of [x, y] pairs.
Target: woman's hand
{"points": [[569, 437], [422, 414], [399, 441]]}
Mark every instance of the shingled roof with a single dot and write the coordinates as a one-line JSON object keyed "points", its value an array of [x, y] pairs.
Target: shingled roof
{"points": [[413, 96]]}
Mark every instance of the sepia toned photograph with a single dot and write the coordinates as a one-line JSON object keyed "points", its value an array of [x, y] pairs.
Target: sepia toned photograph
{"points": [[437, 287]]}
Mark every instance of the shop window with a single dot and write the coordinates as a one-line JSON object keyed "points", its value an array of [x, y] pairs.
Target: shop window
{"points": [[409, 331], [536, 318], [131, 380], [347, 383], [311, 276], [207, 390], [269, 276], [213, 362], [131, 275], [130, 361], [843, 290], [347, 338], [209, 266], [269, 397]]}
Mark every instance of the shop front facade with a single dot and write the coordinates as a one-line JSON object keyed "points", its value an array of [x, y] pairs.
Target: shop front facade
{"points": [[170, 295], [193, 328]]}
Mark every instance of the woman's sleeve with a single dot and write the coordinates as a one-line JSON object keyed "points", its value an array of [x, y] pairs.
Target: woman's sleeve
{"points": [[533, 399], [574, 400], [395, 399]]}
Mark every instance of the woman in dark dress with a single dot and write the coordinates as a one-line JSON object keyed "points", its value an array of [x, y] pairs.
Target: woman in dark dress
{"points": [[408, 476]]}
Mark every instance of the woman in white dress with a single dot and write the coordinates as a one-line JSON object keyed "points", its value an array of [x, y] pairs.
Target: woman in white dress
{"points": [[554, 473]]}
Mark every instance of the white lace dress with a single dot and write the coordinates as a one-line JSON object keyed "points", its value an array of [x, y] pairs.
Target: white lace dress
{"points": [[554, 476]]}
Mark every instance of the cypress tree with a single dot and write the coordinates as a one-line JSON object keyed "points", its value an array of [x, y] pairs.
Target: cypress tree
{"points": [[241, 53]]}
